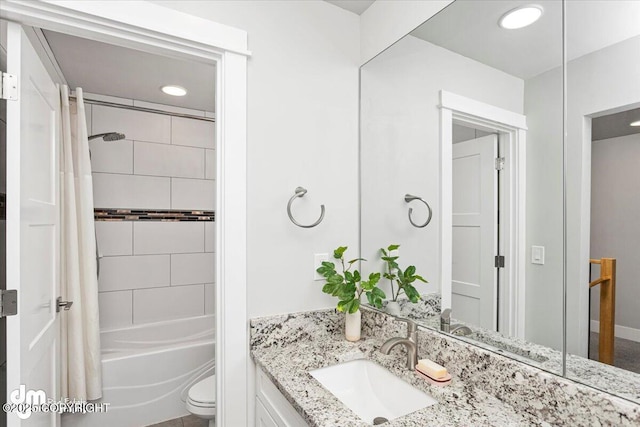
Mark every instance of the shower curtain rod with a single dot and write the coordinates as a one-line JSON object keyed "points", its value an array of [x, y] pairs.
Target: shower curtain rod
{"points": [[144, 109]]}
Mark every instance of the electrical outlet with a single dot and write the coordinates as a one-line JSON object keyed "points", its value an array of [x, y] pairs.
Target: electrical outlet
{"points": [[317, 262]]}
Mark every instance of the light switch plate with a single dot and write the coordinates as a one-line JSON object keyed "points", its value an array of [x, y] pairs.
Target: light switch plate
{"points": [[537, 255], [317, 262]]}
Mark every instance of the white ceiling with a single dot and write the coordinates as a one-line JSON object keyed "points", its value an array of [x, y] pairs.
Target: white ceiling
{"points": [[355, 6], [127, 73], [470, 28]]}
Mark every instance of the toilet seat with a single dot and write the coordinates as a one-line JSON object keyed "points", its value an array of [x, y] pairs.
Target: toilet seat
{"points": [[201, 398], [203, 393]]}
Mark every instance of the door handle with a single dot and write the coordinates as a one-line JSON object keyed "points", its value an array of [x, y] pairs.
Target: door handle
{"points": [[66, 305]]}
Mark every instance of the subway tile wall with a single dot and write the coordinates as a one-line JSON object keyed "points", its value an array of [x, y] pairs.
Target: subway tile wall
{"points": [[153, 271]]}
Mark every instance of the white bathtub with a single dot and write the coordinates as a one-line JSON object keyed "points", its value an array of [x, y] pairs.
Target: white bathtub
{"points": [[147, 370]]}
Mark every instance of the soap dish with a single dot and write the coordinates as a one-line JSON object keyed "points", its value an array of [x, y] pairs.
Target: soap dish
{"points": [[446, 380]]}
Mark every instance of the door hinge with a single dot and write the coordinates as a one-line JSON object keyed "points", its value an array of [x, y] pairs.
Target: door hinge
{"points": [[499, 163], [499, 263], [9, 87], [63, 304], [8, 302]]}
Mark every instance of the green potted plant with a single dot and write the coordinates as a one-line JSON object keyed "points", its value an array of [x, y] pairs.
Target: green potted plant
{"points": [[403, 279], [348, 287]]}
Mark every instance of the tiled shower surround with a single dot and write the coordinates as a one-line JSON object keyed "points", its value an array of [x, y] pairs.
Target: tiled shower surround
{"points": [[153, 269]]}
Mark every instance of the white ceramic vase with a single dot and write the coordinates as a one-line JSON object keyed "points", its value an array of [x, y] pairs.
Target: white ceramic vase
{"points": [[393, 308], [353, 326]]}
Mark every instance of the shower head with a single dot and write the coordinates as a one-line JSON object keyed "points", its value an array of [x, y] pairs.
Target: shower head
{"points": [[108, 137]]}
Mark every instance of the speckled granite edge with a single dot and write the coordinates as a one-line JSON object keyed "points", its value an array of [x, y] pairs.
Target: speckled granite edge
{"points": [[285, 329], [299, 342]]}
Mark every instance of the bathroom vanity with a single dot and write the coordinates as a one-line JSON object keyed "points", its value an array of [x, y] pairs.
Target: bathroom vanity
{"points": [[272, 408], [487, 388]]}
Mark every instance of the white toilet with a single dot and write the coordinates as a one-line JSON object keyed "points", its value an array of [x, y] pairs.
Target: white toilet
{"points": [[201, 399]]}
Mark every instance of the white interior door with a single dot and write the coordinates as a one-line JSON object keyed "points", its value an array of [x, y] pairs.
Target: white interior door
{"points": [[475, 201], [33, 219]]}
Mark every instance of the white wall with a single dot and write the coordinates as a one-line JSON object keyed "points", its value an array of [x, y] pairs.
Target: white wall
{"points": [[302, 131], [544, 283], [602, 81], [153, 270], [615, 229], [387, 21], [400, 142]]}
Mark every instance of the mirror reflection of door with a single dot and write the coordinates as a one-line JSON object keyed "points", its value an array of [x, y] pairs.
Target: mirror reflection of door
{"points": [[615, 232], [475, 228]]}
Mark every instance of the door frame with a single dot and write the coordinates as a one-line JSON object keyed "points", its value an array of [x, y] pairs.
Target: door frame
{"points": [[157, 29], [579, 341], [512, 128]]}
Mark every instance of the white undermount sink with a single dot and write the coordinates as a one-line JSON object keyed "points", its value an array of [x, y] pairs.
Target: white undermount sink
{"points": [[371, 391]]}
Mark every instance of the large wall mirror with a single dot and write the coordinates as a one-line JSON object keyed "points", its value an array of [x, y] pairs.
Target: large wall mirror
{"points": [[462, 160], [603, 194]]}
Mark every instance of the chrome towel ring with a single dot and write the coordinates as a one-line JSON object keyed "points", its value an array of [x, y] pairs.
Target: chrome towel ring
{"points": [[409, 198], [300, 192]]}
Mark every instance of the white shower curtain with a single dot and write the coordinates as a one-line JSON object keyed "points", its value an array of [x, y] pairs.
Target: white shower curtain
{"points": [[81, 369]]}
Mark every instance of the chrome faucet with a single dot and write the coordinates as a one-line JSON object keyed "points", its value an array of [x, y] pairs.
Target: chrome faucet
{"points": [[445, 320], [456, 329], [460, 330], [410, 342]]}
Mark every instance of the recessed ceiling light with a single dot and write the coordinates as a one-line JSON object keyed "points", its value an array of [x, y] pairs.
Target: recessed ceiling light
{"points": [[521, 17], [174, 90], [636, 123]]}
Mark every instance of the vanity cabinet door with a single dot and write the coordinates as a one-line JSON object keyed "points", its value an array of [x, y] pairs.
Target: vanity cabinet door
{"points": [[277, 406], [263, 419]]}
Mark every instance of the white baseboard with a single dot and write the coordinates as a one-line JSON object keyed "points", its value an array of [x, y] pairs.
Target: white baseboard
{"points": [[625, 332]]}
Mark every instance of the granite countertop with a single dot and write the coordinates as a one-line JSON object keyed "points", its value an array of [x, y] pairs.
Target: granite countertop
{"points": [[288, 347], [608, 378]]}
